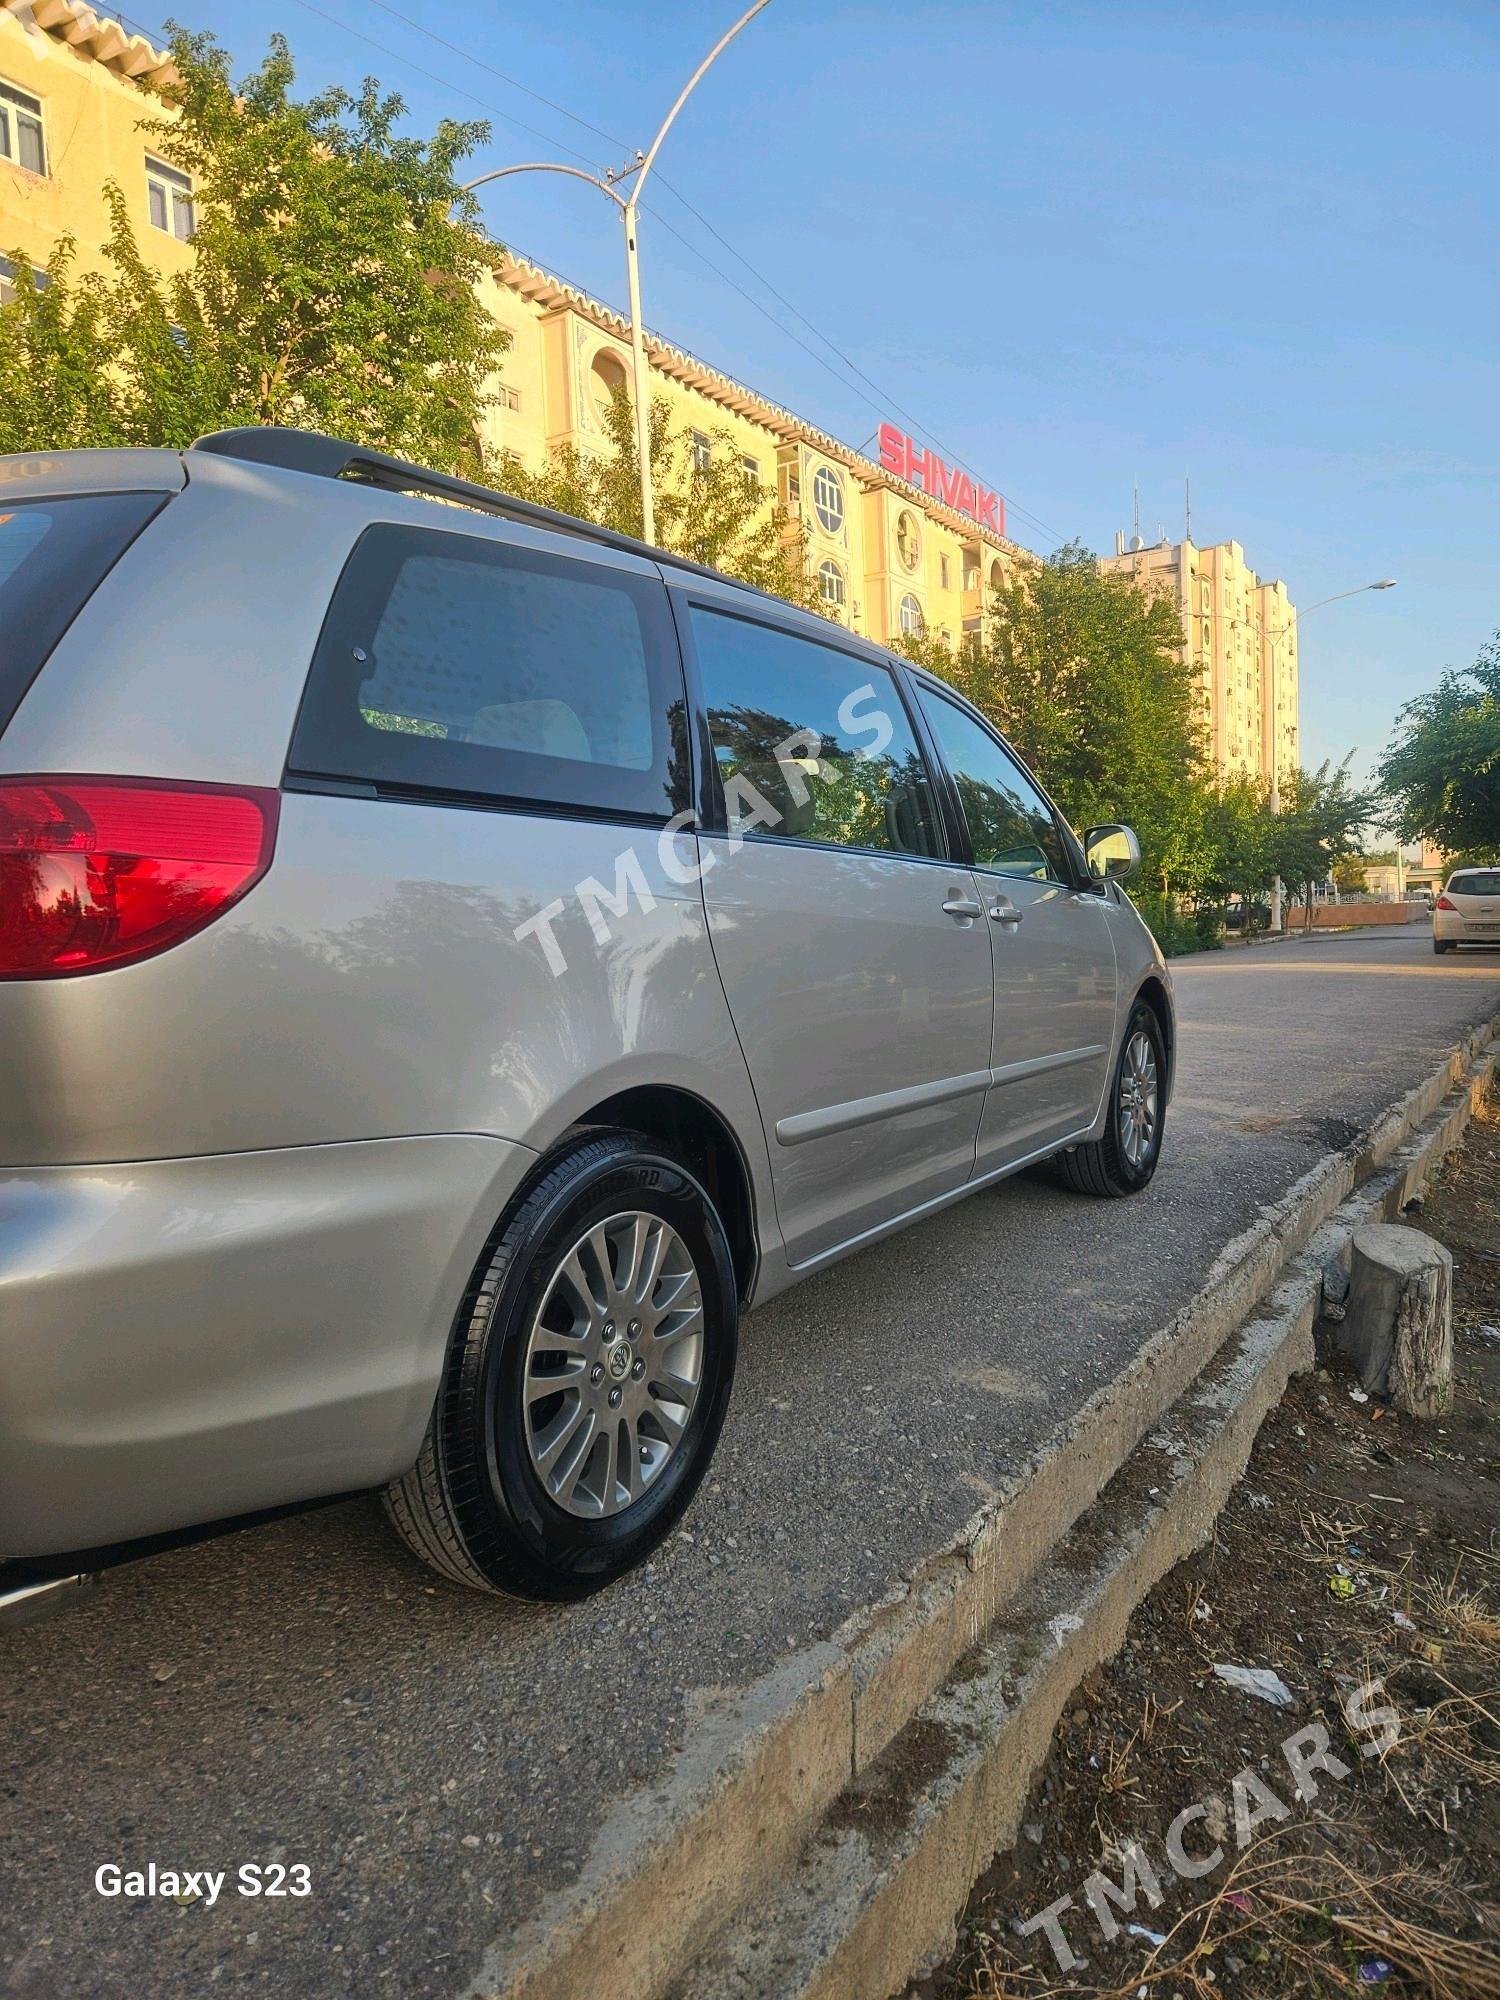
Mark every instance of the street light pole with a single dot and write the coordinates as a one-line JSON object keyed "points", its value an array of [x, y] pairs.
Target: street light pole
{"points": [[1385, 583], [639, 168]]}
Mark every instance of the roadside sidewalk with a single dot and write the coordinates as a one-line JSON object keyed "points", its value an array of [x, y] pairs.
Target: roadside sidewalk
{"points": [[1358, 1547]]}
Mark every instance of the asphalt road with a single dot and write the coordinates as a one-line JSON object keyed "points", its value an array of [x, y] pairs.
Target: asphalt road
{"points": [[303, 1693]]}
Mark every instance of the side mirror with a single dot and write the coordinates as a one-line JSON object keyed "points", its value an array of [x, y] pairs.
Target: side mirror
{"points": [[1113, 853]]}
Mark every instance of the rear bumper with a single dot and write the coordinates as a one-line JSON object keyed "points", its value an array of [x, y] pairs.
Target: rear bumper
{"points": [[186, 1340], [1450, 928]]}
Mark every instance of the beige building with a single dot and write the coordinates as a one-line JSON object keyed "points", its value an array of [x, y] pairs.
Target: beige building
{"points": [[890, 557], [1240, 635], [897, 543], [71, 104]]}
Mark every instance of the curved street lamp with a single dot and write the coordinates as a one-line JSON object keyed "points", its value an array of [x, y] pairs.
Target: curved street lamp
{"points": [[639, 168]]}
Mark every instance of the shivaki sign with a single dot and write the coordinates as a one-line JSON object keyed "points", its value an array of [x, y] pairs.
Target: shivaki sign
{"points": [[906, 458]]}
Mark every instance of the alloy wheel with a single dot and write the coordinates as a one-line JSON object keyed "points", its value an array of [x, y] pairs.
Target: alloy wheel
{"points": [[614, 1362], [1138, 1099]]}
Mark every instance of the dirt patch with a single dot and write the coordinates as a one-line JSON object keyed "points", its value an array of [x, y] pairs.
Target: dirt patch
{"points": [[1360, 1547], [887, 1794]]}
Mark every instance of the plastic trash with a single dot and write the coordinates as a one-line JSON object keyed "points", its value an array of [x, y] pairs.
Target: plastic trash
{"points": [[1259, 1681], [1373, 1970], [1341, 1586], [1152, 1937]]}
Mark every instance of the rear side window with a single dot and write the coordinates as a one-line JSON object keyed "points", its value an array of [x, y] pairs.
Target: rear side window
{"points": [[811, 743], [448, 663], [53, 555], [1479, 882]]}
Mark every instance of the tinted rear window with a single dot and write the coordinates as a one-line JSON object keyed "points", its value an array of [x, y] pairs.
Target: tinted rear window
{"points": [[1479, 883], [53, 555], [450, 663]]}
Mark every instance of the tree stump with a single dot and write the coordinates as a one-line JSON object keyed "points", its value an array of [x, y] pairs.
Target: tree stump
{"points": [[1398, 1325]]}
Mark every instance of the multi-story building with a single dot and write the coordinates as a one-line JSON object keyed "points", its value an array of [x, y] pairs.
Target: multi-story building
{"points": [[1240, 637], [71, 108], [899, 543]]}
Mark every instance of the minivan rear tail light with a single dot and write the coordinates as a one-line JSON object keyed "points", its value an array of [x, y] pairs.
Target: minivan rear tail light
{"points": [[1443, 904], [95, 872]]}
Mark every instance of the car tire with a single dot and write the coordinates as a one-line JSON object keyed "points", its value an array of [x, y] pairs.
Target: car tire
{"points": [[1440, 945], [611, 1275], [1123, 1160]]}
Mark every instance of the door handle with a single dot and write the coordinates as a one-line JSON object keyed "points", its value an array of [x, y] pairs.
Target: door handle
{"points": [[963, 908], [1002, 912]]}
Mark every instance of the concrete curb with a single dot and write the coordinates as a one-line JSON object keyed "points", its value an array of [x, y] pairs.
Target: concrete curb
{"points": [[873, 1896], [727, 1821]]}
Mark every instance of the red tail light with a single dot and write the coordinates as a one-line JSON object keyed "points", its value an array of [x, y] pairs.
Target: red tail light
{"points": [[1442, 903], [95, 872]]}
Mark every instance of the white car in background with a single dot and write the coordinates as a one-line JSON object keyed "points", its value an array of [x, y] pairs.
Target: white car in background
{"points": [[1468, 911]]}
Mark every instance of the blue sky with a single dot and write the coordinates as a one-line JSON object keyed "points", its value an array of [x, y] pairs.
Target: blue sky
{"points": [[1084, 244]]}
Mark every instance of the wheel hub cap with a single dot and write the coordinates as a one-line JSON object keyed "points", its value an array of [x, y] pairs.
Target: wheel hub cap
{"points": [[1138, 1114], [614, 1363]]}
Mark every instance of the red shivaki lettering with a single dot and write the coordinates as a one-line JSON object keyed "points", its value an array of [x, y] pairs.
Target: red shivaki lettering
{"points": [[904, 457]]}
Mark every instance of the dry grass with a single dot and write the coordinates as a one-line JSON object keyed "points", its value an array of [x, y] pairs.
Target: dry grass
{"points": [[1306, 1913]]}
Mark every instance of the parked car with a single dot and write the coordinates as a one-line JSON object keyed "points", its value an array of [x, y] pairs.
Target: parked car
{"points": [[454, 960], [1468, 911]]}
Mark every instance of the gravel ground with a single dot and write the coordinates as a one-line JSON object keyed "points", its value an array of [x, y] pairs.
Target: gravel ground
{"points": [[304, 1693], [1359, 1545]]}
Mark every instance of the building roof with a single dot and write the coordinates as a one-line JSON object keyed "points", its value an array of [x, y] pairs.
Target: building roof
{"points": [[544, 288], [96, 37]]}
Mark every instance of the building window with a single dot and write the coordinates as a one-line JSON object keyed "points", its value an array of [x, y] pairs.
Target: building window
{"points": [[911, 617], [169, 200], [606, 381], [997, 575], [751, 469], [828, 499], [831, 583], [943, 572], [507, 397], [702, 452], [21, 129], [8, 277], [908, 538], [792, 489], [971, 576]]}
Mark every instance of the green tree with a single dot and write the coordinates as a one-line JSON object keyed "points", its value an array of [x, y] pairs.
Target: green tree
{"points": [[1238, 840], [332, 283], [1083, 672], [1441, 771], [713, 514], [56, 350], [1321, 822]]}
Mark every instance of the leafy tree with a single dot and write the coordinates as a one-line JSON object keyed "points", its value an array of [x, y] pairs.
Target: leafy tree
{"points": [[713, 514], [1349, 875], [56, 347], [1321, 822], [1238, 841], [332, 283], [1441, 771]]}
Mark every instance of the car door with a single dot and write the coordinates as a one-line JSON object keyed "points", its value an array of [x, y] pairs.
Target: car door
{"points": [[1054, 959], [854, 953]]}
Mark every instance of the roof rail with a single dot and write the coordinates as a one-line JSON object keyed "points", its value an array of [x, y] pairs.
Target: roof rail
{"points": [[333, 458]]}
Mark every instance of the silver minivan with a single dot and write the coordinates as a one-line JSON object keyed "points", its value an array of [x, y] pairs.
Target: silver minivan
{"points": [[453, 961]]}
